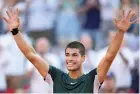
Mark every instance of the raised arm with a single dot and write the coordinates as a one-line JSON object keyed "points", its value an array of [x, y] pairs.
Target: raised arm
{"points": [[29, 52], [122, 26]]}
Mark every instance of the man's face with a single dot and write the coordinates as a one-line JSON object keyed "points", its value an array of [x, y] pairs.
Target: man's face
{"points": [[73, 59], [109, 83], [42, 45]]}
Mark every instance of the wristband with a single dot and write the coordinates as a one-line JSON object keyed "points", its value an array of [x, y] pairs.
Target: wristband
{"points": [[15, 31]]}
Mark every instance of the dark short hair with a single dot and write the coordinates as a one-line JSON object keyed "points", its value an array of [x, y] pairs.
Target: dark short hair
{"points": [[77, 45]]}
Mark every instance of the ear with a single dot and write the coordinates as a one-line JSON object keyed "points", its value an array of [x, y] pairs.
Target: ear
{"points": [[83, 58]]}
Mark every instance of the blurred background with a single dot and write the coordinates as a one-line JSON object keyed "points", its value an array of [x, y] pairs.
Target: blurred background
{"points": [[49, 25]]}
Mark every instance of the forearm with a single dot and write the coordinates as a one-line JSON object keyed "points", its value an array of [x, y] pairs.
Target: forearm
{"points": [[106, 62], [23, 45], [115, 45], [41, 65]]}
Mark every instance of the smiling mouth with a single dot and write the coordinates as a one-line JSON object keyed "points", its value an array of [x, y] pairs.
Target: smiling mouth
{"points": [[70, 64]]}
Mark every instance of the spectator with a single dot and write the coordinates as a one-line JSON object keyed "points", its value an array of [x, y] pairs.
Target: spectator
{"points": [[16, 62], [91, 55], [91, 25], [41, 18], [109, 9], [1, 24], [22, 6], [37, 16], [109, 85], [68, 25], [135, 78], [4, 60]]}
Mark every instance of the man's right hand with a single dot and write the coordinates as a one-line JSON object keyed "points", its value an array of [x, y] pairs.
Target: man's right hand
{"points": [[13, 19]]}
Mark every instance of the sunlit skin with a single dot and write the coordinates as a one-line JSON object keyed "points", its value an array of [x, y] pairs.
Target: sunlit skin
{"points": [[74, 62]]}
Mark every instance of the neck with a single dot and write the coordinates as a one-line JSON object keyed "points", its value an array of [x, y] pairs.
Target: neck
{"points": [[75, 74]]}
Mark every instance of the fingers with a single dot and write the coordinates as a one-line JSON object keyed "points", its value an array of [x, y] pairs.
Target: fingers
{"points": [[115, 21], [11, 11], [128, 14], [17, 12], [135, 21], [8, 13], [18, 20], [132, 15], [5, 19], [123, 14]]}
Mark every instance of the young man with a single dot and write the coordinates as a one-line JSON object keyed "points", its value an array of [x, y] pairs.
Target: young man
{"points": [[75, 81]]}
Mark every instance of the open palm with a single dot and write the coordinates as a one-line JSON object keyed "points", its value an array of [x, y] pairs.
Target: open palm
{"points": [[13, 19], [125, 22]]}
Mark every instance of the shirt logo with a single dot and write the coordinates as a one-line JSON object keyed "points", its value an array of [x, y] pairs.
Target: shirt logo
{"points": [[73, 83]]}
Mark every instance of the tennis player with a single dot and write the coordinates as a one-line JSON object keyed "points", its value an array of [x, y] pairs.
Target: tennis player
{"points": [[75, 81]]}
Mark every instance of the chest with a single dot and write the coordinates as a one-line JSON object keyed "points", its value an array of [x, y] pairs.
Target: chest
{"points": [[66, 85]]}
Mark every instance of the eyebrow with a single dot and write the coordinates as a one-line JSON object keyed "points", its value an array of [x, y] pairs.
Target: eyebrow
{"points": [[66, 53], [72, 53]]}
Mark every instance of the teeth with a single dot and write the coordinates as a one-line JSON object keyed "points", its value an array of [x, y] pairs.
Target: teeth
{"points": [[70, 63]]}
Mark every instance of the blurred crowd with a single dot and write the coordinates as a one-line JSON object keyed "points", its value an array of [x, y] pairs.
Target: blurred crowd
{"points": [[49, 25]]}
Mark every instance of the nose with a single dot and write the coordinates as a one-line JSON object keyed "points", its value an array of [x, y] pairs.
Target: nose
{"points": [[69, 58]]}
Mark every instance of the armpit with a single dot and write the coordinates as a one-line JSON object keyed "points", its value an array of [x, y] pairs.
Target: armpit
{"points": [[48, 79], [97, 84]]}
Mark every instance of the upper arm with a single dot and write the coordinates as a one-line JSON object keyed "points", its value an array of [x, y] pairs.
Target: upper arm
{"points": [[41, 65], [103, 67], [94, 79]]}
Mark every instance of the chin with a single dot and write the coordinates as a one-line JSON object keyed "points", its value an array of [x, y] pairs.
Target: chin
{"points": [[72, 69]]}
